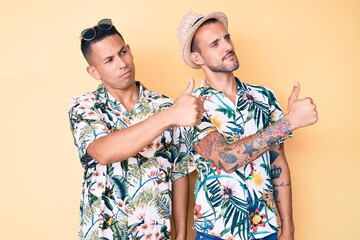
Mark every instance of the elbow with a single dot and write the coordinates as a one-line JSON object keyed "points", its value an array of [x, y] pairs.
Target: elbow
{"points": [[103, 161], [99, 156]]}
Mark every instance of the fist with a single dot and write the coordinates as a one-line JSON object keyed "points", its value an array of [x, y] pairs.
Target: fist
{"points": [[188, 109], [300, 112]]}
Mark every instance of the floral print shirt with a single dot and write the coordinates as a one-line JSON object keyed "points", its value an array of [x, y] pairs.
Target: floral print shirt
{"points": [[129, 199], [239, 205]]}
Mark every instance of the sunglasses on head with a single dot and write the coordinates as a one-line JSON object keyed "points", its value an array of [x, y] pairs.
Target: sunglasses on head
{"points": [[89, 34]]}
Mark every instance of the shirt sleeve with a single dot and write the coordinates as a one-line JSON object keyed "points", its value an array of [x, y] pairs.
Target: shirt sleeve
{"points": [[202, 130], [275, 112], [86, 125], [188, 138], [183, 162]]}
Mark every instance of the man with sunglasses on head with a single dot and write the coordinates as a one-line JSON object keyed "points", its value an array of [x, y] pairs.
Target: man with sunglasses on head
{"points": [[129, 146], [234, 195]]}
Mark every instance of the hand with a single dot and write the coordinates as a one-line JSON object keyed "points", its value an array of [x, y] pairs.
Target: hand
{"points": [[187, 109], [300, 112]]}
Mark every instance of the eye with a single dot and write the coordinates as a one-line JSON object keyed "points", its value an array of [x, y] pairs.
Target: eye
{"points": [[123, 52], [214, 44], [109, 60]]}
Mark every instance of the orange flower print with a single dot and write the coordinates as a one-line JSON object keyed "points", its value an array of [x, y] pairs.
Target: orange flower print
{"points": [[197, 213], [257, 220]]}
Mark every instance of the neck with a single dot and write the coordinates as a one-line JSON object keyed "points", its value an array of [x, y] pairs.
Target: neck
{"points": [[128, 97], [224, 82]]}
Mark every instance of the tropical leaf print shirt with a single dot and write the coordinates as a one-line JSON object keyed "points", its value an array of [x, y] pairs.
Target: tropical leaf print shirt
{"points": [[239, 205], [129, 199]]}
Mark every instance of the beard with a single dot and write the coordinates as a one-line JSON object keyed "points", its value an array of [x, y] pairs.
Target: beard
{"points": [[234, 65]]}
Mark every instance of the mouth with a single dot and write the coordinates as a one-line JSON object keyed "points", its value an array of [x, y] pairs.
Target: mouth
{"points": [[125, 74], [229, 56]]}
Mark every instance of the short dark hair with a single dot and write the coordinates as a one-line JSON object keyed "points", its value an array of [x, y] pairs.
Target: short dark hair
{"points": [[100, 34], [194, 46]]}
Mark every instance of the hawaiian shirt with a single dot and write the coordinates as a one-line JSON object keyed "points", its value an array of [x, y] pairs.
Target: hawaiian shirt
{"points": [[239, 205], [129, 199]]}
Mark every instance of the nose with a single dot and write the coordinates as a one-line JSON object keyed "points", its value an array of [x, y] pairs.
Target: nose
{"points": [[229, 46], [120, 62]]}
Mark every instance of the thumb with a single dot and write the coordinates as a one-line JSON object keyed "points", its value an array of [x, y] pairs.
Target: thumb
{"points": [[295, 92], [189, 89]]}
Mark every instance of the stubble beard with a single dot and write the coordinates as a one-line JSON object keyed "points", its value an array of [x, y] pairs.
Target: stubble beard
{"points": [[224, 68]]}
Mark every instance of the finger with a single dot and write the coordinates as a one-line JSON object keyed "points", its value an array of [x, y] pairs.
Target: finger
{"points": [[295, 92], [189, 89], [201, 108]]}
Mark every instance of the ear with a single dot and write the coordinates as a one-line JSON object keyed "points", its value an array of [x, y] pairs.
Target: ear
{"points": [[196, 58], [93, 72]]}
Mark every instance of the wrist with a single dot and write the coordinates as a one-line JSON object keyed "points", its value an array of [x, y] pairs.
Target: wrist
{"points": [[278, 132], [167, 117], [180, 236], [288, 227], [290, 122]]}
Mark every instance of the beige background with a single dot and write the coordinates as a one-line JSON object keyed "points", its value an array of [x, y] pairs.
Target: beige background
{"points": [[277, 42]]}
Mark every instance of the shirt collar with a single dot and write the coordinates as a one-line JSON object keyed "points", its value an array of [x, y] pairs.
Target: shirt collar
{"points": [[104, 95], [240, 89]]}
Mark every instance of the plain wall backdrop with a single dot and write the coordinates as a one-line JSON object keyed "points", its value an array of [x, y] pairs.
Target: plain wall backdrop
{"points": [[277, 42]]}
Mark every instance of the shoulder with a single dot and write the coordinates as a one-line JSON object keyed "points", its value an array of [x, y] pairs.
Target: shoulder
{"points": [[258, 90], [86, 100], [157, 98]]}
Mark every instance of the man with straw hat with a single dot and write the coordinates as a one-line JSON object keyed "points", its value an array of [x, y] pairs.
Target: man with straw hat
{"points": [[238, 202]]}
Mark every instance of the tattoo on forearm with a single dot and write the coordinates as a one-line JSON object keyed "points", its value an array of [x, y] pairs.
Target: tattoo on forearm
{"points": [[282, 185], [276, 193], [234, 155], [277, 188], [206, 147], [249, 149], [276, 172], [273, 156], [228, 158]]}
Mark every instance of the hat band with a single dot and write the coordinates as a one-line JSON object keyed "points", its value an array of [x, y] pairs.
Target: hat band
{"points": [[197, 21]]}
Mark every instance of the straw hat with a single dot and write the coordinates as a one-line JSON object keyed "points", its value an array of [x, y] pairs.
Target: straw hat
{"points": [[187, 28]]}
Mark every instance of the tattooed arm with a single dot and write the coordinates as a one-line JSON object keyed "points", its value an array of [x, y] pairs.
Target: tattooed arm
{"points": [[230, 157], [281, 181]]}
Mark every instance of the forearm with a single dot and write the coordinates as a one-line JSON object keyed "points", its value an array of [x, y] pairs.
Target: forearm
{"points": [[230, 157], [122, 144], [180, 206], [281, 181]]}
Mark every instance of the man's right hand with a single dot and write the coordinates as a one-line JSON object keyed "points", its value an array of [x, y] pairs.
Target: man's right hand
{"points": [[187, 109], [300, 112]]}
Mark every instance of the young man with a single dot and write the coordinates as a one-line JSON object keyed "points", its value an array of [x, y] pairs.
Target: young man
{"points": [[130, 151], [237, 202]]}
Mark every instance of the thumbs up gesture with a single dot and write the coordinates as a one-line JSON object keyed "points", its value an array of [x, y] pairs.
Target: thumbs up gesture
{"points": [[300, 112], [188, 109]]}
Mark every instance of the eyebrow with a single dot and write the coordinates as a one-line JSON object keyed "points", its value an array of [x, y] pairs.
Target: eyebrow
{"points": [[218, 39], [108, 58], [214, 42], [112, 56], [122, 48]]}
